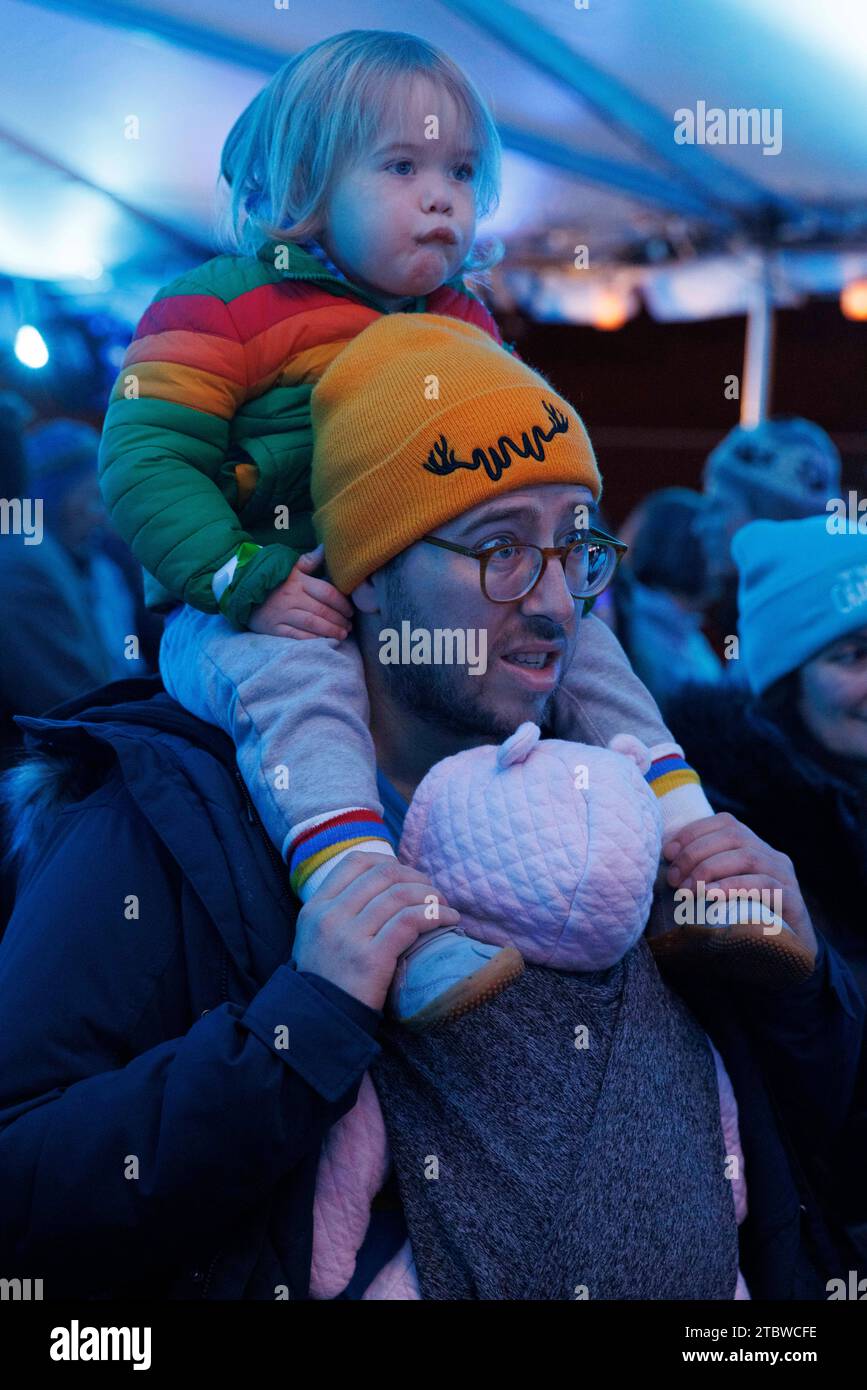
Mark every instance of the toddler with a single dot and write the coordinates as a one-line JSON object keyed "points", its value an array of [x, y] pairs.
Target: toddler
{"points": [[356, 178]]}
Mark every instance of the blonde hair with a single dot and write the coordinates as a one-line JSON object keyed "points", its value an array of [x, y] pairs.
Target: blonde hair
{"points": [[318, 114]]}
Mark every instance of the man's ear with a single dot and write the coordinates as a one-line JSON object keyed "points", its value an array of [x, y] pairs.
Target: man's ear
{"points": [[365, 597]]}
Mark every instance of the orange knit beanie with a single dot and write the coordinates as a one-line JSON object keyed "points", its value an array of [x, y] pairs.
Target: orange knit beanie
{"points": [[419, 419]]}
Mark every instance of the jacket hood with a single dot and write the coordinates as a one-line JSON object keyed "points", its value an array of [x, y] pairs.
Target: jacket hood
{"points": [[141, 702], [179, 771]]}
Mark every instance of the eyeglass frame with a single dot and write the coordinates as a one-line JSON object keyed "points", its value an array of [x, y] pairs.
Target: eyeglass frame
{"points": [[548, 552]]}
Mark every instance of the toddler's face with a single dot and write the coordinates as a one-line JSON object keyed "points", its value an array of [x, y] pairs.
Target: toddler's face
{"points": [[401, 220]]}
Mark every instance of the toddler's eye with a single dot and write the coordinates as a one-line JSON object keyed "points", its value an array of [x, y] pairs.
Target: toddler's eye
{"points": [[401, 166], [463, 172]]}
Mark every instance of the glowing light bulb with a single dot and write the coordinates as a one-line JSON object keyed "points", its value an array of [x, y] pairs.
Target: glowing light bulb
{"points": [[853, 300], [30, 346]]}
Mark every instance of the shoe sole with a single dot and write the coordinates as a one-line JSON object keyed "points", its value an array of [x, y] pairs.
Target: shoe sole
{"points": [[468, 994], [735, 954]]}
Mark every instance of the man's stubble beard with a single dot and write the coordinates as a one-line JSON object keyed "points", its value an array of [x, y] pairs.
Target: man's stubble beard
{"points": [[440, 694]]}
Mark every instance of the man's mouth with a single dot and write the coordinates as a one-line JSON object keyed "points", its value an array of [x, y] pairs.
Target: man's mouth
{"points": [[537, 659], [537, 667]]}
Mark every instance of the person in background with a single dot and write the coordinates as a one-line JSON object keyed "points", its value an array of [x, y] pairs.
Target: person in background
{"points": [[789, 756], [65, 608], [50, 651], [62, 470], [782, 470], [664, 604]]}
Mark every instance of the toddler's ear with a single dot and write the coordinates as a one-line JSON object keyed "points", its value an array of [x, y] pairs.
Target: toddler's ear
{"points": [[633, 748]]}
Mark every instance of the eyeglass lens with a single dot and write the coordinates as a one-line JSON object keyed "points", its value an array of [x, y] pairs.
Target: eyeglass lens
{"points": [[513, 569]]}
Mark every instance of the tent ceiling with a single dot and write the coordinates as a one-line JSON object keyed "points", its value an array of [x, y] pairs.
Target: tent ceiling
{"points": [[585, 99]]}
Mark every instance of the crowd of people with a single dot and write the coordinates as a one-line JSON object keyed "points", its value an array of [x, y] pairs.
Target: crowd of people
{"points": [[336, 978]]}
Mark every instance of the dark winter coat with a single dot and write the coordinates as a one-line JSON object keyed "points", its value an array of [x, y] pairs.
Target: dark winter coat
{"points": [[158, 1140], [769, 773]]}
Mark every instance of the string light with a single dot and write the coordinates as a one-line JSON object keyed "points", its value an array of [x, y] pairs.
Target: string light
{"points": [[853, 300], [30, 348], [610, 311]]}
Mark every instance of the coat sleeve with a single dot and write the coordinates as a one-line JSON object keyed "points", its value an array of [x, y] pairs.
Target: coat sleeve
{"points": [[112, 1161], [809, 1037], [165, 443]]}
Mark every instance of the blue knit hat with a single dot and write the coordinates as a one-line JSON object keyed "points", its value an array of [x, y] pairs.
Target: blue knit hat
{"points": [[783, 468], [801, 588]]}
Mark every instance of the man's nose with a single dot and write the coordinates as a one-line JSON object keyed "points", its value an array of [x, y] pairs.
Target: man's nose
{"points": [[551, 597]]}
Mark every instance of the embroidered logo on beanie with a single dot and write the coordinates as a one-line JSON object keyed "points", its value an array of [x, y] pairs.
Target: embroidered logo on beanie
{"points": [[850, 590], [495, 458]]}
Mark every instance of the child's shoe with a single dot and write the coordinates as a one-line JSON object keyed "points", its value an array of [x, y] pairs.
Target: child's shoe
{"points": [[446, 974], [752, 946]]}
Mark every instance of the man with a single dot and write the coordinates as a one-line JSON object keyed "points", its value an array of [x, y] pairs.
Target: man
{"points": [[177, 1046]]}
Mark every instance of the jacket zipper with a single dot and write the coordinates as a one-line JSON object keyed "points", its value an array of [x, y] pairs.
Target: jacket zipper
{"points": [[280, 869], [829, 1254], [254, 818], [224, 994]]}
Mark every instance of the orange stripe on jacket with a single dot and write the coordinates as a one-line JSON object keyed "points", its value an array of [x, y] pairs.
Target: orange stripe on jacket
{"points": [[166, 381], [202, 351]]}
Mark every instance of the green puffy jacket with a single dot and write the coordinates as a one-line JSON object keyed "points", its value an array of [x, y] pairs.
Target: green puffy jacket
{"points": [[205, 453]]}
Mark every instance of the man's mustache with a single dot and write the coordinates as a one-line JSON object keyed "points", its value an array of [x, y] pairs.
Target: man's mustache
{"points": [[540, 628]]}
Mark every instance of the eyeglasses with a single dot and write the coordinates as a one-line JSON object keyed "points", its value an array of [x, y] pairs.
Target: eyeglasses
{"points": [[509, 572]]}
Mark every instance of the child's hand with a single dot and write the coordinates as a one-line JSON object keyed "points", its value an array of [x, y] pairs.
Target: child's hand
{"points": [[721, 851], [303, 606]]}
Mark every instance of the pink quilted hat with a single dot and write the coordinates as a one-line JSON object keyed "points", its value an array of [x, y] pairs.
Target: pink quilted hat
{"points": [[549, 846]]}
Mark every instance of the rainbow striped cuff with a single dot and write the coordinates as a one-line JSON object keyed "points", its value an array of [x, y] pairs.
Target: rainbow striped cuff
{"points": [[322, 842], [669, 772]]}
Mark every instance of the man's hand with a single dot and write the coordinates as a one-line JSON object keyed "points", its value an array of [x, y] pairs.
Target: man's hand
{"points": [[303, 606], [367, 912], [722, 851]]}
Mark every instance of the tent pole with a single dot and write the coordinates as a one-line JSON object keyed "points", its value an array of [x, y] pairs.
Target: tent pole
{"points": [[758, 355]]}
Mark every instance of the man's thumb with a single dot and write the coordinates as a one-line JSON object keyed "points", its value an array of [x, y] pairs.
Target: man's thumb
{"points": [[311, 559]]}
